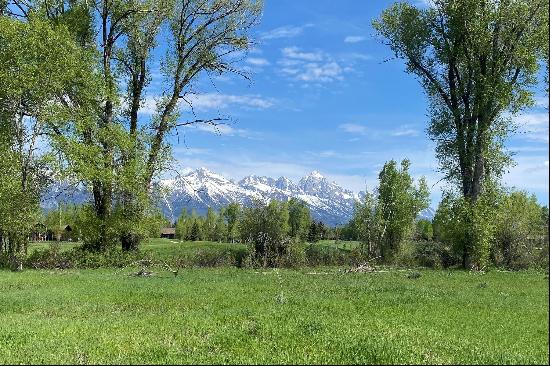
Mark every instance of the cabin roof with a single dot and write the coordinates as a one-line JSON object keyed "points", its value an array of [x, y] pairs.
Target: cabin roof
{"points": [[168, 231]]}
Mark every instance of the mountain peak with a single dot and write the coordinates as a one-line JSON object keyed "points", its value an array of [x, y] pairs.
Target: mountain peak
{"points": [[316, 174], [203, 170]]}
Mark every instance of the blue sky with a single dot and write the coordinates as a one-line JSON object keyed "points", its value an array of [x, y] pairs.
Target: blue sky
{"points": [[322, 98]]}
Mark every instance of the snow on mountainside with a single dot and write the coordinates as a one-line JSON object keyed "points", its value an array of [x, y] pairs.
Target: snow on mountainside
{"points": [[202, 188], [427, 214]]}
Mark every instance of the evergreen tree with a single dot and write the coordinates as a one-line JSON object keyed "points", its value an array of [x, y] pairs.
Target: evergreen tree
{"points": [[313, 233], [195, 232]]}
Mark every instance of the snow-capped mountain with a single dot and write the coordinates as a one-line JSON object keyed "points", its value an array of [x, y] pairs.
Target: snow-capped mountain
{"points": [[201, 189]]}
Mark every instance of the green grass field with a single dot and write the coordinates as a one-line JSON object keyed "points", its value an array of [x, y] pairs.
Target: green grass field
{"points": [[230, 315]]}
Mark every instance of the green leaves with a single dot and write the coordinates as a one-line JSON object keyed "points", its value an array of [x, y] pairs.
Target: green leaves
{"points": [[385, 221], [477, 61]]}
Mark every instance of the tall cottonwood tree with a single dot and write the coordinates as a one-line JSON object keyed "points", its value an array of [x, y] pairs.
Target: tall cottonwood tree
{"points": [[110, 149], [477, 60]]}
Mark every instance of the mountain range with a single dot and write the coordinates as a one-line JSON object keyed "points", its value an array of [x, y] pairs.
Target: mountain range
{"points": [[201, 188]]}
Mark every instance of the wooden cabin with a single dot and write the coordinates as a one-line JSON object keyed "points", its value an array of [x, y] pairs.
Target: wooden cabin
{"points": [[168, 233]]}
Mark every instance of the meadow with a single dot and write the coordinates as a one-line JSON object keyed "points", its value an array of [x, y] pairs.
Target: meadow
{"points": [[308, 315]]}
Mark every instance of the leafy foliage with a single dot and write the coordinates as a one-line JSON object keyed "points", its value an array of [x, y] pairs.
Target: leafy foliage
{"points": [[504, 228], [386, 220], [476, 60]]}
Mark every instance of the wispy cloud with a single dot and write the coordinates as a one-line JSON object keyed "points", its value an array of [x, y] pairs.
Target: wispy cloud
{"points": [[256, 61], [541, 102], [226, 130], [310, 66], [295, 53], [354, 39], [405, 131], [425, 3], [287, 31], [531, 173], [328, 154], [533, 126], [357, 56], [321, 72], [213, 101], [354, 128], [190, 151]]}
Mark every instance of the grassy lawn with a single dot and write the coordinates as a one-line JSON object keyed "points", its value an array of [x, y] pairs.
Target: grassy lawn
{"points": [[345, 245], [229, 315]]}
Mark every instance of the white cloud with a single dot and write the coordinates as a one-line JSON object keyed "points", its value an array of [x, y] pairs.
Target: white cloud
{"points": [[225, 130], [533, 126], [222, 101], [530, 173], [359, 56], [210, 101], [256, 61], [328, 154], [148, 106], [527, 149], [354, 39], [541, 102], [285, 32], [311, 67], [190, 151], [405, 132], [321, 72], [427, 3], [353, 128], [295, 53]]}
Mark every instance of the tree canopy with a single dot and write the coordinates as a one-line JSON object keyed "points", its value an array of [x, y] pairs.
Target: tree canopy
{"points": [[477, 61]]}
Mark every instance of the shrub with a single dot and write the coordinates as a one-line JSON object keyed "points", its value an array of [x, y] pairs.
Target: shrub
{"points": [[295, 256], [520, 231], [317, 255], [52, 257], [467, 227], [433, 254]]}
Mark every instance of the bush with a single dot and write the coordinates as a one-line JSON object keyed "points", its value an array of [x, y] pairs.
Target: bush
{"points": [[405, 257], [520, 231], [295, 256], [266, 227], [317, 255], [434, 254], [467, 227], [52, 258]]}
